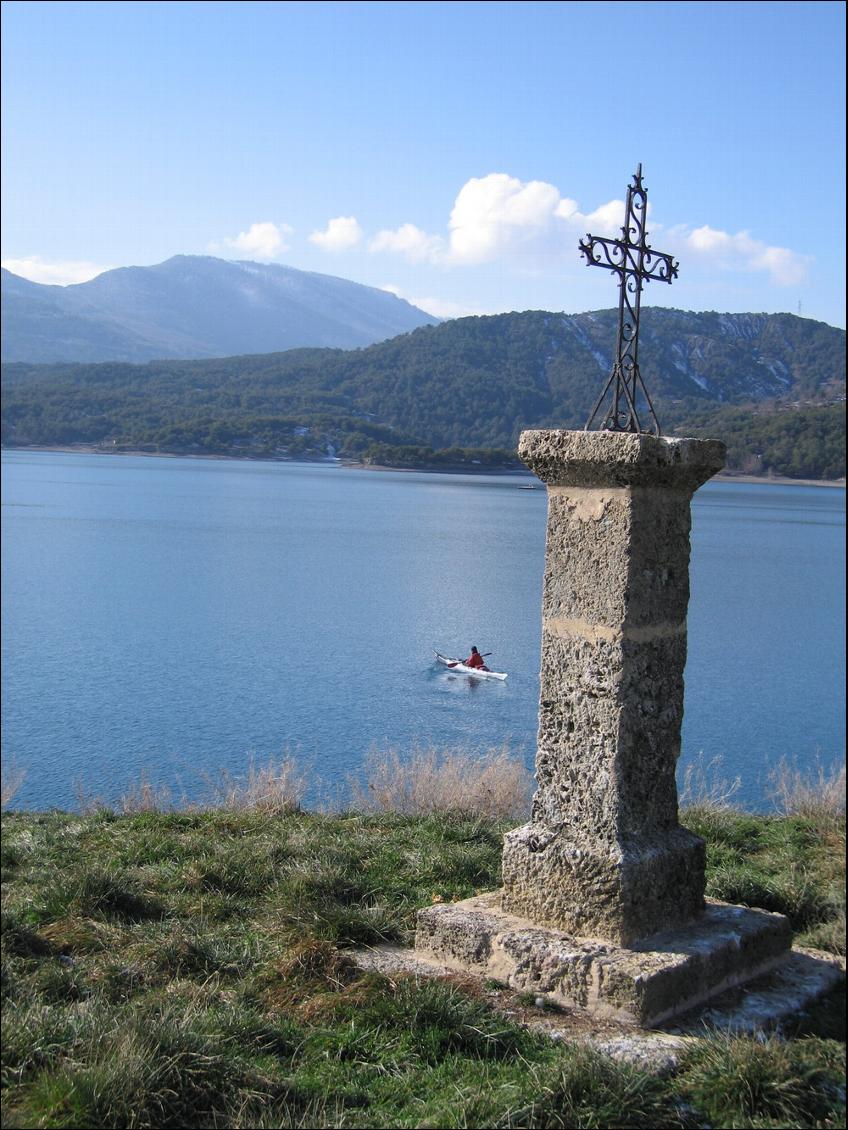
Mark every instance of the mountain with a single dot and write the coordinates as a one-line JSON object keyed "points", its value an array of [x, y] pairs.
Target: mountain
{"points": [[195, 306], [772, 385]]}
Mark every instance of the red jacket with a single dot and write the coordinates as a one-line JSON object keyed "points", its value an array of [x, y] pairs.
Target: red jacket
{"points": [[475, 659]]}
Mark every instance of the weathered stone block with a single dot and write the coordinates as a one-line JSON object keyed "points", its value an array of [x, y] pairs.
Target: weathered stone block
{"points": [[664, 975], [603, 888], [609, 734], [594, 459], [617, 556]]}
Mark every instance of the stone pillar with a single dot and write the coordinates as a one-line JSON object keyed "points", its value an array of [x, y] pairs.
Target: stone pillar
{"points": [[604, 855], [602, 907]]}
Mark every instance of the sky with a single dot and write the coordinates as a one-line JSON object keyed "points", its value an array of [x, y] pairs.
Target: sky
{"points": [[453, 153]]}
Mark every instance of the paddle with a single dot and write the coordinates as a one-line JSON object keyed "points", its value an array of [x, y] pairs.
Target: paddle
{"points": [[456, 662]]}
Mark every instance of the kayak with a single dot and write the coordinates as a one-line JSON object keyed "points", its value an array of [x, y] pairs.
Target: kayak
{"points": [[459, 667]]}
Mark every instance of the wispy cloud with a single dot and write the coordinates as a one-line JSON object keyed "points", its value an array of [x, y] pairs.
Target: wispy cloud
{"points": [[63, 272], [410, 242], [742, 252], [340, 234], [443, 308], [265, 240], [439, 307]]}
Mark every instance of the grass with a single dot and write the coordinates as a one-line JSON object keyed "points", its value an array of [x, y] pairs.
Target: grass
{"points": [[819, 793], [427, 780], [792, 862], [169, 968]]}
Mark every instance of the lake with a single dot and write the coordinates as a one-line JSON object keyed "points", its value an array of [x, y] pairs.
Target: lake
{"points": [[173, 617]]}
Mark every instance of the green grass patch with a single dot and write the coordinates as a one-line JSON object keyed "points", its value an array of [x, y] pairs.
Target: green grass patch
{"points": [[769, 1083], [175, 969], [791, 865]]}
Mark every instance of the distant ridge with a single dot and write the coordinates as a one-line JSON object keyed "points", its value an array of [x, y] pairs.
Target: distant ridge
{"points": [[193, 307]]}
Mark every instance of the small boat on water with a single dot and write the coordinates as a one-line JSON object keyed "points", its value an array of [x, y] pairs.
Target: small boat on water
{"points": [[459, 668]]}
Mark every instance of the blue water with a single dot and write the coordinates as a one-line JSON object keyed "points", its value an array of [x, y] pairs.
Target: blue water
{"points": [[173, 617]]}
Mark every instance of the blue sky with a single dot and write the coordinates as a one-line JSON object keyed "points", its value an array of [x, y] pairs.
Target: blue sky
{"points": [[452, 152]]}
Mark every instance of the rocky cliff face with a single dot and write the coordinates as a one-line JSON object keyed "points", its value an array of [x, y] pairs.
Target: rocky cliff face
{"points": [[727, 357]]}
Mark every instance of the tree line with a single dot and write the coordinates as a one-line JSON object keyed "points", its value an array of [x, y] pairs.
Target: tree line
{"points": [[457, 394]]}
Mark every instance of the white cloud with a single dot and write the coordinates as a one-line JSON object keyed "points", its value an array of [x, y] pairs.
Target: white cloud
{"points": [[493, 217], [742, 251], [495, 213], [498, 217], [63, 272], [341, 233], [607, 220], [265, 240], [411, 242], [530, 225], [566, 208]]}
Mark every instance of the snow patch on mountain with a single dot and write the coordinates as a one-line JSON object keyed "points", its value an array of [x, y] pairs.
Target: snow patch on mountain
{"points": [[680, 361], [604, 362], [740, 325], [777, 370]]}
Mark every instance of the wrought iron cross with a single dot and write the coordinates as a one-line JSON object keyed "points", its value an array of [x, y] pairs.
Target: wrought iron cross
{"points": [[635, 263]]}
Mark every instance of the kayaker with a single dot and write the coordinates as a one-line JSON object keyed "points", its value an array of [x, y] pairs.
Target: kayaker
{"points": [[475, 659]]}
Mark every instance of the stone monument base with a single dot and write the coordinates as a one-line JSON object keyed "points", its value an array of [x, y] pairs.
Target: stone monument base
{"points": [[618, 891], [647, 982]]}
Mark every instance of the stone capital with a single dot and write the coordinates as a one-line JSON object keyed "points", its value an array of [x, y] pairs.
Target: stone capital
{"points": [[620, 459]]}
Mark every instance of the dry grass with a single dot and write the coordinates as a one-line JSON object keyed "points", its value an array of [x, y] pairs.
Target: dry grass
{"points": [[818, 793], [145, 797], [277, 787], [705, 788], [11, 778], [87, 802], [492, 784]]}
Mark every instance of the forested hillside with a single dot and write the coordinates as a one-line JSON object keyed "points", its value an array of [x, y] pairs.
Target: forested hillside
{"points": [[772, 386]]}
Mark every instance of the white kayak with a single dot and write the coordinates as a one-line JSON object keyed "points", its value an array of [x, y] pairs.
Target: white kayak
{"points": [[459, 667]]}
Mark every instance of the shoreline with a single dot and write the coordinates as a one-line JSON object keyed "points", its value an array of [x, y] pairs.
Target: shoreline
{"points": [[93, 449], [777, 480]]}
